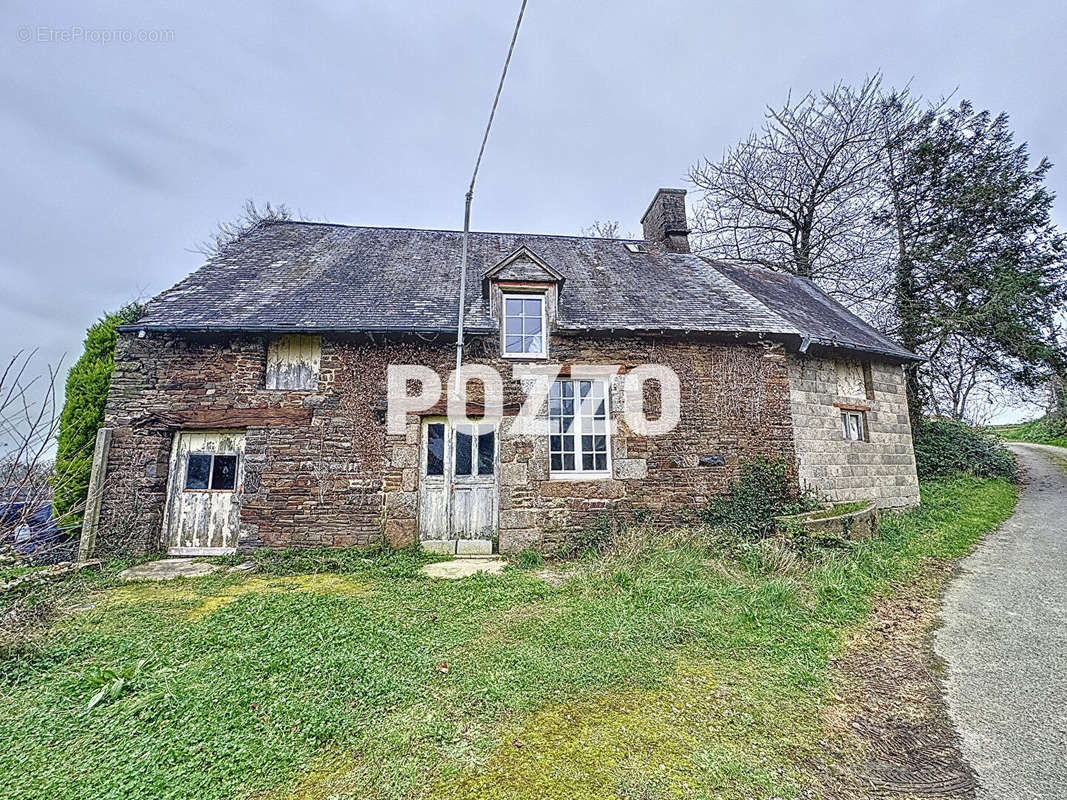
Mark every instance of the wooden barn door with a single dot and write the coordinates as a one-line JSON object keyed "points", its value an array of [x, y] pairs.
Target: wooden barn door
{"points": [[458, 485], [203, 512]]}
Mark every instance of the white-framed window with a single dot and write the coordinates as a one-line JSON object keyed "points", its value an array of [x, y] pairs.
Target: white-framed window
{"points": [[579, 442], [524, 326], [854, 426]]}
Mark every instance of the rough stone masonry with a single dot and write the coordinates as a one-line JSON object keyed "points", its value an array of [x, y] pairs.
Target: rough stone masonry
{"points": [[328, 474]]}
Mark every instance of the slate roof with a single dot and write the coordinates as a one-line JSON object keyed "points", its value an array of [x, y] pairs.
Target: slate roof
{"points": [[299, 276]]}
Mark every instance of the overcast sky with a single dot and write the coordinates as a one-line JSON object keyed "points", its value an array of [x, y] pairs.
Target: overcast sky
{"points": [[118, 157]]}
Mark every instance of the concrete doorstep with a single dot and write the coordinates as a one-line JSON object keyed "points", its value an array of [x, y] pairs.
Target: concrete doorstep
{"points": [[464, 568], [461, 548]]}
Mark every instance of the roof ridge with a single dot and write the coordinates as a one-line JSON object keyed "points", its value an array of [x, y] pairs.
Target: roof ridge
{"points": [[444, 230]]}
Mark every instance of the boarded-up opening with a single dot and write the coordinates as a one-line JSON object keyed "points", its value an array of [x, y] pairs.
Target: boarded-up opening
{"points": [[293, 362]]}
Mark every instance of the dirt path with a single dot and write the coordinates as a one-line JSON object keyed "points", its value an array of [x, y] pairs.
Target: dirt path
{"points": [[1004, 639]]}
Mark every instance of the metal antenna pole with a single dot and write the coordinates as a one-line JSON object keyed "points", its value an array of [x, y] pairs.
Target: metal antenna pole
{"points": [[470, 196]]}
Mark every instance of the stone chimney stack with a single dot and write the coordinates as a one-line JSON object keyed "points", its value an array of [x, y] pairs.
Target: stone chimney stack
{"points": [[664, 222]]}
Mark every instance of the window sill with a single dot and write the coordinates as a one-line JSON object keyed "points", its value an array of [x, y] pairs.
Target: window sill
{"points": [[525, 356], [580, 476]]}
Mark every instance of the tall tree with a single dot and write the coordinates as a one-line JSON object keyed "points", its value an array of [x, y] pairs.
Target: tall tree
{"points": [[796, 195], [979, 265], [83, 411], [608, 229], [927, 220]]}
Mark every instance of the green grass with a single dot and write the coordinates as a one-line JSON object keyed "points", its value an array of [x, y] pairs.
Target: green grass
{"points": [[666, 672], [1045, 430]]}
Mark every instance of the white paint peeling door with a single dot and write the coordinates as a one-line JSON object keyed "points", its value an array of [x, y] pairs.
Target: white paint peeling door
{"points": [[434, 483], [458, 496], [474, 495], [203, 512]]}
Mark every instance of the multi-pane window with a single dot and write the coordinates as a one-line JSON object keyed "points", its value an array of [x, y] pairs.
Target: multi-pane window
{"points": [[578, 427], [210, 472], [475, 449], [524, 325], [854, 426]]}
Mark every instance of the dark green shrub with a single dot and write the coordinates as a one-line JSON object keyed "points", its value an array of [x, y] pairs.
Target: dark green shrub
{"points": [[944, 448], [763, 489], [83, 411]]}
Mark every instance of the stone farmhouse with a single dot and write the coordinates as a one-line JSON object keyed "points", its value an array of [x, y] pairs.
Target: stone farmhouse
{"points": [[248, 406]]}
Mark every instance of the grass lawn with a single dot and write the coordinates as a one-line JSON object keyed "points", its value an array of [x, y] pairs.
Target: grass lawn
{"points": [[664, 672], [1039, 431]]}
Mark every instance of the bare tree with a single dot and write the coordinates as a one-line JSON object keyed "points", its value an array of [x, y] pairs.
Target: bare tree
{"points": [[797, 195], [229, 232], [29, 423], [608, 229]]}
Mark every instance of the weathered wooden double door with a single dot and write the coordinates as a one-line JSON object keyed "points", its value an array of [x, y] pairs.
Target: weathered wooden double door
{"points": [[458, 485]]}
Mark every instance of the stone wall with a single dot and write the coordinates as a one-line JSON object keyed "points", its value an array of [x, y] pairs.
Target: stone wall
{"points": [[734, 405], [881, 468], [338, 479]]}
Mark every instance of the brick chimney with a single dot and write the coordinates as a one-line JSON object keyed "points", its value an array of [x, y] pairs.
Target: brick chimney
{"points": [[664, 222]]}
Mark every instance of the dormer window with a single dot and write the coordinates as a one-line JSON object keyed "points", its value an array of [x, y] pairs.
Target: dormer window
{"points": [[524, 326]]}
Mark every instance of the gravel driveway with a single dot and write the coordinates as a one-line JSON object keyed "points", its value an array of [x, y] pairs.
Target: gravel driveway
{"points": [[1004, 639]]}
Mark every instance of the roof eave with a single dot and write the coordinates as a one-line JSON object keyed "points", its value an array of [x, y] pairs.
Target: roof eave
{"points": [[278, 329]]}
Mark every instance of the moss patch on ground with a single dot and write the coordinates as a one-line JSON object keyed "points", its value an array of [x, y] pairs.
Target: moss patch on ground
{"points": [[377, 682]]}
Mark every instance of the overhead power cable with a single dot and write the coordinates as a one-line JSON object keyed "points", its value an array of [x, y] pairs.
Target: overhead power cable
{"points": [[470, 196]]}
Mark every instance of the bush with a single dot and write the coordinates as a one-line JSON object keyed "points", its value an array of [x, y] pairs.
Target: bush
{"points": [[83, 411], [763, 489], [944, 448]]}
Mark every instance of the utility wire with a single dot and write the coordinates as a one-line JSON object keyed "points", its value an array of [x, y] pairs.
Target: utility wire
{"points": [[496, 100], [470, 196]]}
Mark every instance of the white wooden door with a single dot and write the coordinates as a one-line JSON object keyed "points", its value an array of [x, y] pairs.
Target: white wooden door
{"points": [[434, 483], [474, 497], [458, 485], [203, 511]]}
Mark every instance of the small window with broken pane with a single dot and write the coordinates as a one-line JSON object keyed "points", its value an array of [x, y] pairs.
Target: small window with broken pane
{"points": [[211, 472], [854, 426]]}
